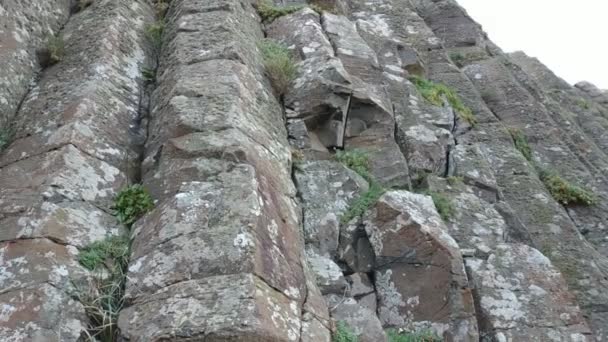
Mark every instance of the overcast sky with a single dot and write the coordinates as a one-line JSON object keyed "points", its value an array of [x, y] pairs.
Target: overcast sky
{"points": [[570, 37]]}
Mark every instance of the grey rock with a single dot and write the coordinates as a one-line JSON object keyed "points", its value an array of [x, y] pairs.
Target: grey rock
{"points": [[521, 295], [363, 322]]}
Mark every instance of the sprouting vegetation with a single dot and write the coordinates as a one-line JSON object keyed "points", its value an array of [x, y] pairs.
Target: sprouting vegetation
{"points": [[521, 143], [582, 103], [132, 203], [111, 253], [148, 74], [423, 336], [83, 4], [154, 32], [564, 192], [355, 160], [5, 137], [455, 180], [344, 333], [103, 297], [56, 49], [444, 206], [436, 93], [363, 202], [268, 11], [279, 63], [358, 161], [160, 8], [457, 58], [321, 6]]}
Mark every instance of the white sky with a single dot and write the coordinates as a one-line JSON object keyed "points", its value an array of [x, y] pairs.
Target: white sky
{"points": [[570, 37]]}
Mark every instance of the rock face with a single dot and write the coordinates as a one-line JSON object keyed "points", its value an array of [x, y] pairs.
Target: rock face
{"points": [[467, 198]]}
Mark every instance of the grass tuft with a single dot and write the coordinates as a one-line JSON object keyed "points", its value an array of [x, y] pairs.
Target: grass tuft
{"points": [[268, 11], [355, 160], [364, 202], [103, 296], [5, 137], [56, 49], [564, 192], [132, 203], [279, 64], [109, 253], [457, 58], [358, 161], [435, 93], [423, 336], [154, 32], [344, 333], [444, 206], [521, 143]]}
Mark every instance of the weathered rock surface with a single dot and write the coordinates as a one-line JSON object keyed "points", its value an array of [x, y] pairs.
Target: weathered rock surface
{"points": [[419, 272], [258, 233], [522, 297], [26, 26], [73, 137]]}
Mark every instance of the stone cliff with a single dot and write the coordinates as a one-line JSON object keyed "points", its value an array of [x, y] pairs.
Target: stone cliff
{"points": [[339, 170]]}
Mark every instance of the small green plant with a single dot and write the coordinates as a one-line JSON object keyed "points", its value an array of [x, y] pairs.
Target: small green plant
{"points": [[56, 49], [444, 206], [457, 58], [321, 6], [154, 32], [279, 64], [582, 103], [344, 333], [268, 11], [111, 253], [355, 160], [358, 161], [5, 137], [521, 143], [564, 192], [363, 202], [103, 297], [132, 203], [455, 180], [423, 336], [160, 8], [83, 4], [148, 74], [435, 93]]}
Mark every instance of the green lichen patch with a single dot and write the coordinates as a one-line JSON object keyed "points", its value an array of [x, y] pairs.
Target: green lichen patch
{"points": [[56, 48], [436, 93]]}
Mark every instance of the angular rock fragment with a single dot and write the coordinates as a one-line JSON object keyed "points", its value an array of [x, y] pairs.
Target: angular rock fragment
{"points": [[419, 272], [522, 296]]}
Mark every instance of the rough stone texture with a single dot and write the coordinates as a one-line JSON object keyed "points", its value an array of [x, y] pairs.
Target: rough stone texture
{"points": [[363, 322], [73, 135], [326, 188], [236, 307], [413, 251], [246, 241], [521, 296], [223, 245], [26, 26]]}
